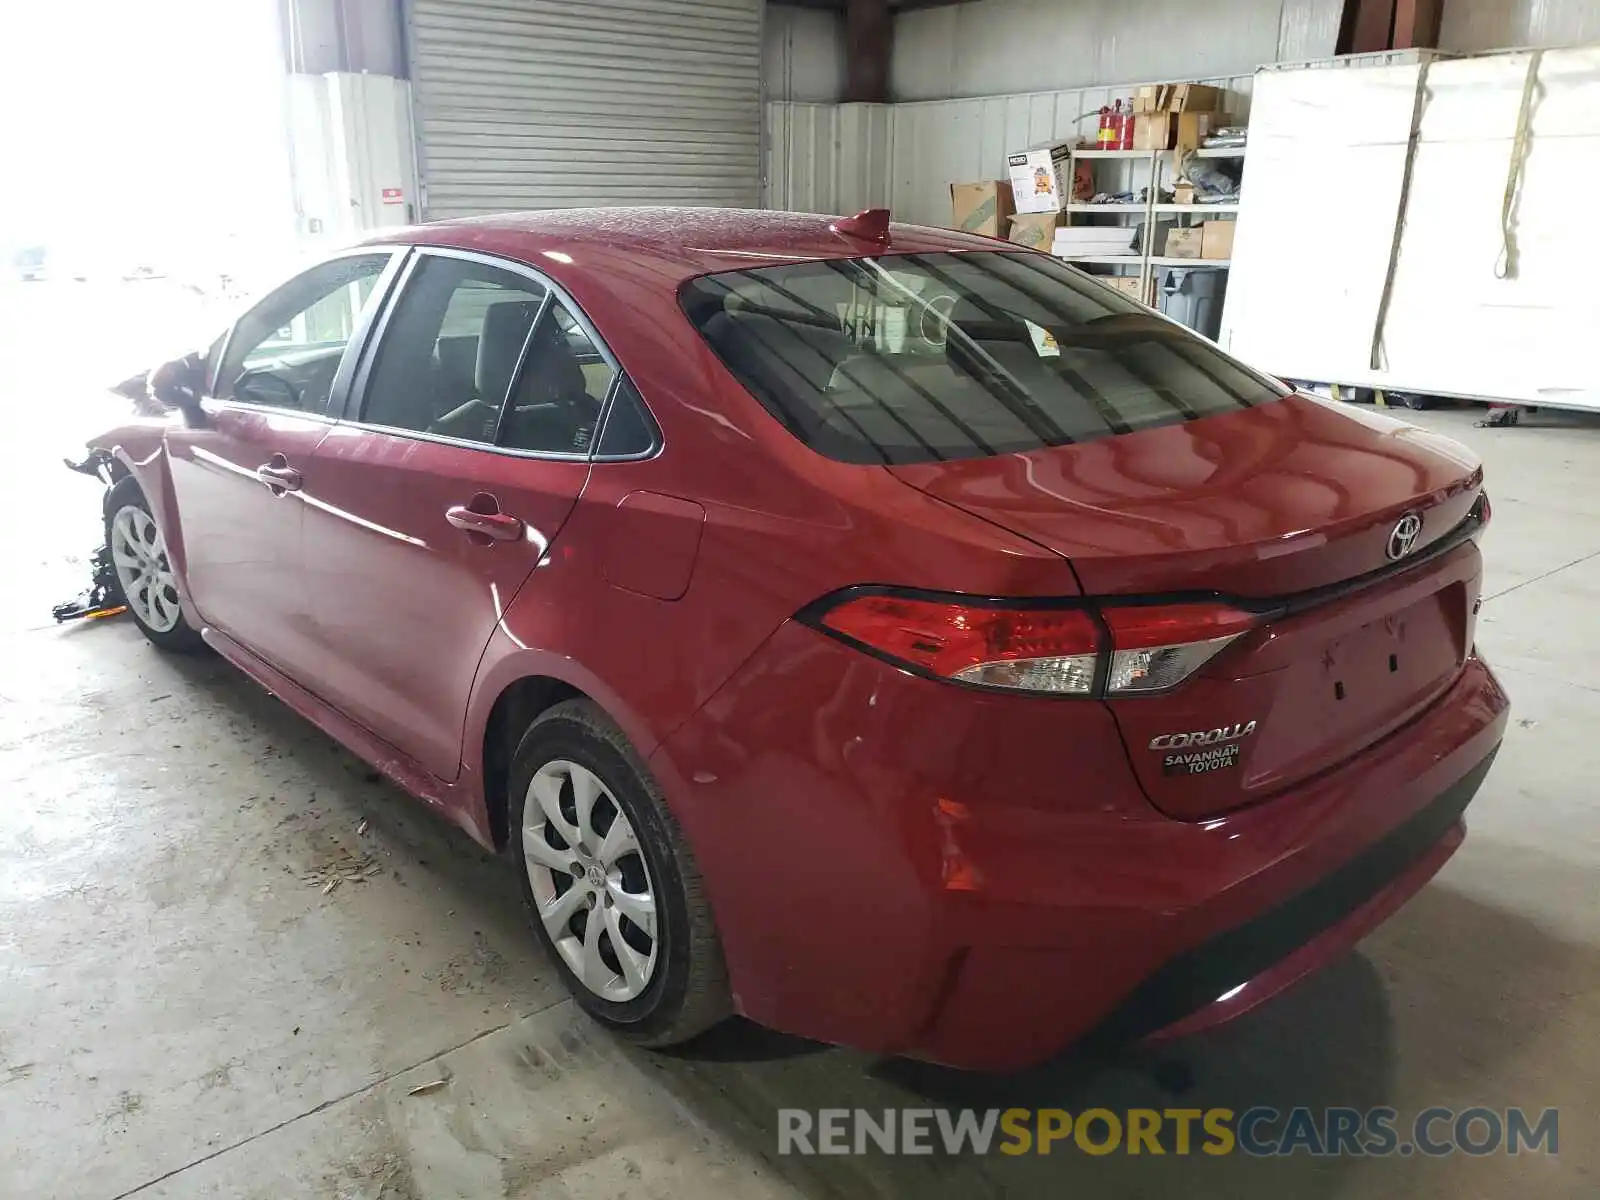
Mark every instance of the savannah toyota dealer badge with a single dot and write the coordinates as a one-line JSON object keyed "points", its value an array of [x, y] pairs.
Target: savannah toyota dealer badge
{"points": [[1202, 752]]}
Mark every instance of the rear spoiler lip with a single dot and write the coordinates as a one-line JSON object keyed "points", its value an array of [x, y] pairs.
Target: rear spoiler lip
{"points": [[1465, 530]]}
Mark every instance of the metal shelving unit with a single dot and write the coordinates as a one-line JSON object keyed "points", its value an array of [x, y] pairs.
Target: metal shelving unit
{"points": [[1078, 212], [1159, 162]]}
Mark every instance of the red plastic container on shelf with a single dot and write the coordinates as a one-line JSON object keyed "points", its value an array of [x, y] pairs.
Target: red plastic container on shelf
{"points": [[1110, 134]]}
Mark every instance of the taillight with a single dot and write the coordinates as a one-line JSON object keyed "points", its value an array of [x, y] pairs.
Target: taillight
{"points": [[1482, 510], [1114, 650], [1157, 647], [1039, 650]]}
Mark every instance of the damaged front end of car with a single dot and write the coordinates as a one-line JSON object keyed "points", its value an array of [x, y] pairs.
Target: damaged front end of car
{"points": [[173, 386], [103, 596]]}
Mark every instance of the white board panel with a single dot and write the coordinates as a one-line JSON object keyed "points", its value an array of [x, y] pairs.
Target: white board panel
{"points": [[1458, 323], [1322, 188]]}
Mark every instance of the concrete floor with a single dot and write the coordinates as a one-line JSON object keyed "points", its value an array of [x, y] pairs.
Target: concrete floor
{"points": [[187, 1010]]}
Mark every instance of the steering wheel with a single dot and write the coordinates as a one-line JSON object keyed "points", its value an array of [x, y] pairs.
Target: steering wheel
{"points": [[934, 323], [268, 387]]}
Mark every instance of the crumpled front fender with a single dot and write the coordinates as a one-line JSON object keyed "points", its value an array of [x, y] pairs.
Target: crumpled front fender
{"points": [[138, 449]]}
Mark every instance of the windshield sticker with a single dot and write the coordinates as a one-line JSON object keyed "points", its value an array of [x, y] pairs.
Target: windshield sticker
{"points": [[1044, 342]]}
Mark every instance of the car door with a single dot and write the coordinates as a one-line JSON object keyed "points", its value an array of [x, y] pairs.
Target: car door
{"points": [[237, 478], [464, 449]]}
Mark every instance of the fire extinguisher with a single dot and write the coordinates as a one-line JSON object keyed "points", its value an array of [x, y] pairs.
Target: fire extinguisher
{"points": [[1110, 134]]}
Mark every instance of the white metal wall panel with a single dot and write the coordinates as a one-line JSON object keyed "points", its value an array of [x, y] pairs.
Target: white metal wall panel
{"points": [[935, 144], [566, 103], [1308, 29], [1470, 26], [996, 47], [828, 158], [803, 55]]}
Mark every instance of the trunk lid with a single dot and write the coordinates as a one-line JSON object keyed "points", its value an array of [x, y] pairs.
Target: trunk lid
{"points": [[1280, 498], [1257, 506]]}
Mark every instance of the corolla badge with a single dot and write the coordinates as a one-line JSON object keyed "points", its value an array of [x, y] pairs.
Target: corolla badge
{"points": [[1204, 737], [1403, 538], [1204, 751]]}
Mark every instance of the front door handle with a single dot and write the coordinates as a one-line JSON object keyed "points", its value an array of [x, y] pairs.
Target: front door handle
{"points": [[501, 527], [278, 475]]}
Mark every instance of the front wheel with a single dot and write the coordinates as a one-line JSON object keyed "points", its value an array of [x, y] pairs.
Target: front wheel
{"points": [[611, 885], [144, 575]]}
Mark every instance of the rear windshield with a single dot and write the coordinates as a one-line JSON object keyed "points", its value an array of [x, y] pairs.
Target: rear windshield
{"points": [[923, 357]]}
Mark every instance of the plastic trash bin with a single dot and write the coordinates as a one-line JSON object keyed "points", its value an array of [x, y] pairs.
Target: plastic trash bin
{"points": [[1192, 296]]}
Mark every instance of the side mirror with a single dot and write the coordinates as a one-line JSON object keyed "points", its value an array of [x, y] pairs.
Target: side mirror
{"points": [[179, 384]]}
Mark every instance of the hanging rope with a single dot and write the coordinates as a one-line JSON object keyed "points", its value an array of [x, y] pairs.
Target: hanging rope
{"points": [[1418, 103], [1505, 266]]}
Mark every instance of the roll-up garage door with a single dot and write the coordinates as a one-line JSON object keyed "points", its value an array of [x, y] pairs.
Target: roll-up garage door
{"points": [[566, 103]]}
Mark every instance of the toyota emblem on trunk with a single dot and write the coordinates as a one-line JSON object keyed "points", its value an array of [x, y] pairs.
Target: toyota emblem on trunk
{"points": [[1403, 539]]}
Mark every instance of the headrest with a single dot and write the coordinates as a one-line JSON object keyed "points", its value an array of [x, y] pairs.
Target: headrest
{"points": [[505, 328]]}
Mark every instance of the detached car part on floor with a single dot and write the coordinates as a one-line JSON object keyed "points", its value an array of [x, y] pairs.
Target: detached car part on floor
{"points": [[902, 640]]}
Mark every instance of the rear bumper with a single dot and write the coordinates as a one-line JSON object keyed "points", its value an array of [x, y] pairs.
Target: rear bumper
{"points": [[1237, 969], [908, 868]]}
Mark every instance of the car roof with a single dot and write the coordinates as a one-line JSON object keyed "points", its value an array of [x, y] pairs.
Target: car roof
{"points": [[678, 243]]}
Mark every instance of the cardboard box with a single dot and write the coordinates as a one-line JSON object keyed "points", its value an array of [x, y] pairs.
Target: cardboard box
{"points": [[1173, 131], [1149, 99], [1216, 239], [1152, 131], [1183, 193], [1185, 243], [1036, 178], [1128, 285], [981, 207], [1037, 231], [1192, 129], [1194, 98]]}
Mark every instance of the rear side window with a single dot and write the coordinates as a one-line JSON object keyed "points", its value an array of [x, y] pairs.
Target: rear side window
{"points": [[926, 357]]}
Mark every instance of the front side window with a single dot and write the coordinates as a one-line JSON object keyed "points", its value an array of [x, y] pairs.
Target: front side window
{"points": [[285, 351], [926, 357]]}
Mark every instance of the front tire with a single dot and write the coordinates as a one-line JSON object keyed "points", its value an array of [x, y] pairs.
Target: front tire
{"points": [[144, 574], [611, 885]]}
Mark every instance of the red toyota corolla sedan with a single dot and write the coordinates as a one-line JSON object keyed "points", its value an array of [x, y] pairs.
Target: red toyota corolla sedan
{"points": [[883, 632]]}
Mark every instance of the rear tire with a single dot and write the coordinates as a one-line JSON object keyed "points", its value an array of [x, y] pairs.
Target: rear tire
{"points": [[598, 853], [145, 578]]}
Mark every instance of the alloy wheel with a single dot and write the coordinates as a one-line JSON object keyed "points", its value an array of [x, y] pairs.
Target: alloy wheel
{"points": [[590, 881], [140, 557]]}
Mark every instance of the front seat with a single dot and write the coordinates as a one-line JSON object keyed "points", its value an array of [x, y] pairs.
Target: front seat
{"points": [[552, 409], [500, 341]]}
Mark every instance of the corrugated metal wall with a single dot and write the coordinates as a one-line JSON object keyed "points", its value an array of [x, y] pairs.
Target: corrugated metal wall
{"points": [[1474, 25], [1004, 46], [828, 158], [565, 103]]}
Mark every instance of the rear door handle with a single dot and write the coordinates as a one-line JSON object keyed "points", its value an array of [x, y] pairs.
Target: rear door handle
{"points": [[278, 475], [502, 527]]}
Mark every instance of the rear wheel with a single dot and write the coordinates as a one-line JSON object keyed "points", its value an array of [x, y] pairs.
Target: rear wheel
{"points": [[611, 885], [144, 574]]}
